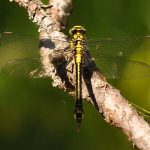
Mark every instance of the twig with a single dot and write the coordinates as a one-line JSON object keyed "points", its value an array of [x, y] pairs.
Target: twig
{"points": [[60, 11], [57, 62]]}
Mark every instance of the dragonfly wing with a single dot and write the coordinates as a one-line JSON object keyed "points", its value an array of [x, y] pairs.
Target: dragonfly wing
{"points": [[27, 67], [18, 45], [11, 37], [117, 46], [112, 57], [122, 68]]}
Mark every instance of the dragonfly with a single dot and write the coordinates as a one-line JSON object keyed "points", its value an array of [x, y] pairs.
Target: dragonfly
{"points": [[78, 48], [111, 55]]}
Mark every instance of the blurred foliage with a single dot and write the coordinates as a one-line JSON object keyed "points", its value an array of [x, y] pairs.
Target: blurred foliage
{"points": [[34, 115]]}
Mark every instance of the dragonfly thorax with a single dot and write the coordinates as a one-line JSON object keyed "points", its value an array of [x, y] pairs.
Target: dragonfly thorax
{"points": [[78, 39]]}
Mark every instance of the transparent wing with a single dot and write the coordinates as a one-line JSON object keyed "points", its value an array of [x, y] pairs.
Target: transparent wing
{"points": [[6, 38], [24, 47], [27, 67], [18, 45], [15, 45], [117, 46], [114, 56]]}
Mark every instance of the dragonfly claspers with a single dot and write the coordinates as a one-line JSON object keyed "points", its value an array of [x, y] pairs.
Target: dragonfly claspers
{"points": [[78, 46]]}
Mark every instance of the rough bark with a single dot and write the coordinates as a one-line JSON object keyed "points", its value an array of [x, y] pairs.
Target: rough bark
{"points": [[57, 63]]}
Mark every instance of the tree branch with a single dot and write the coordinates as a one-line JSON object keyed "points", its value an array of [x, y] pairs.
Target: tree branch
{"points": [[60, 11], [57, 63]]}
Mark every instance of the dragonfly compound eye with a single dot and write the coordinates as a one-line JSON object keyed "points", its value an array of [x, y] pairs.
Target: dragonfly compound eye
{"points": [[76, 29]]}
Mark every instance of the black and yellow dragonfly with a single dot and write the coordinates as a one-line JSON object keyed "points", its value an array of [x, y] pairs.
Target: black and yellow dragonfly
{"points": [[111, 56], [78, 47]]}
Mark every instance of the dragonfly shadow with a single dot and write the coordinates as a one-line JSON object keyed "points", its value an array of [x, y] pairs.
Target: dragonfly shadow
{"points": [[46, 43], [60, 63], [62, 73], [87, 74]]}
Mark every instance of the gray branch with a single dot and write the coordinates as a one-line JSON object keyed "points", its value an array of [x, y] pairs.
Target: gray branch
{"points": [[60, 11], [57, 63]]}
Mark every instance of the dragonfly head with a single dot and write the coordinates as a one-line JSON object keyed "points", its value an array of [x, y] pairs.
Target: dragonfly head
{"points": [[77, 29]]}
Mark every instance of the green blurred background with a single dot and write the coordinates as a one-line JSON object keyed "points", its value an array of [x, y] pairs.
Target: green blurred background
{"points": [[35, 115]]}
